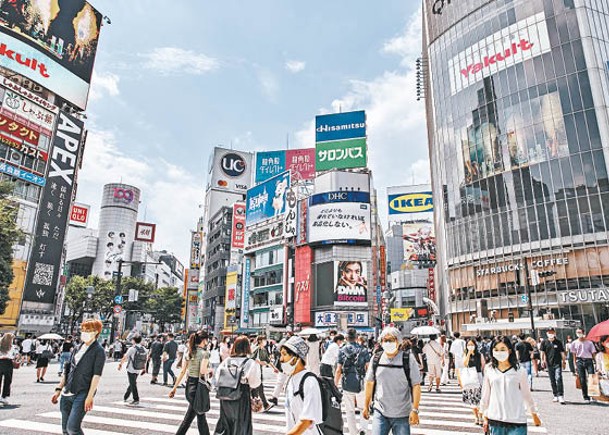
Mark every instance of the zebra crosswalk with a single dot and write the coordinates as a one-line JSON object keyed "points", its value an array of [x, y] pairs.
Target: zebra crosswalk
{"points": [[440, 414]]}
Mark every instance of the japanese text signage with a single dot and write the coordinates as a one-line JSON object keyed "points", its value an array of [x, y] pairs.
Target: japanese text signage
{"points": [[52, 43], [329, 318], [238, 231], [245, 302], [340, 141], [195, 250], [289, 224], [301, 163], [268, 199], [13, 171], [55, 207], [303, 284], [336, 217], [269, 164], [27, 111]]}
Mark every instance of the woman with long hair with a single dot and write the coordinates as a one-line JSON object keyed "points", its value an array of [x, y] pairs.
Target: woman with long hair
{"points": [[505, 392], [43, 349], [197, 366], [472, 393], [214, 356], [602, 366], [8, 355], [236, 414], [536, 355]]}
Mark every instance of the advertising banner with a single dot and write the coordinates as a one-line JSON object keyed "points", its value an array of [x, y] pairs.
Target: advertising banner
{"points": [[79, 216], [409, 203], [267, 199], [269, 164], [419, 244], [303, 209], [192, 279], [404, 314], [509, 46], [238, 230], [245, 301], [14, 171], [351, 283], [303, 285], [191, 312], [340, 126], [265, 234], [343, 221], [330, 318], [145, 232], [53, 213], [195, 250], [431, 284], [382, 266], [344, 154], [341, 196], [290, 222], [231, 291], [301, 163], [231, 170], [29, 113]]}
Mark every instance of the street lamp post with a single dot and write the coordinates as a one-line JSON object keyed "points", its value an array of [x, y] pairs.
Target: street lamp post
{"points": [[527, 288]]}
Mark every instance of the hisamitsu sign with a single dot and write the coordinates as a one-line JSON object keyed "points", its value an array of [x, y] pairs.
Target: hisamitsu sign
{"points": [[340, 126]]}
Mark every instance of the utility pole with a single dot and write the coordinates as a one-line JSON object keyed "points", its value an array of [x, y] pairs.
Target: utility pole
{"points": [[527, 288], [117, 291]]}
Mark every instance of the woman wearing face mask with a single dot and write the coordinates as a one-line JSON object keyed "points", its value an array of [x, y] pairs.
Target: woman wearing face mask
{"points": [[505, 392], [80, 379], [472, 393], [197, 366], [602, 366], [214, 356]]}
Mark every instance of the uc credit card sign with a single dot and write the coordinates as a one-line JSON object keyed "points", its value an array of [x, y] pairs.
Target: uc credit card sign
{"points": [[406, 203], [340, 126]]}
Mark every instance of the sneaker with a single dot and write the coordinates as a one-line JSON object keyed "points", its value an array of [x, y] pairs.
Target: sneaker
{"points": [[555, 399], [587, 401], [3, 401], [134, 402], [362, 432], [438, 390], [561, 400], [41, 379], [273, 400], [269, 407]]}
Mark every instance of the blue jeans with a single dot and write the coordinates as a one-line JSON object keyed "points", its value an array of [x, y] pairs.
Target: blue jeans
{"points": [[72, 412], [528, 366], [64, 357], [496, 430], [381, 425], [585, 367], [167, 370], [555, 374]]}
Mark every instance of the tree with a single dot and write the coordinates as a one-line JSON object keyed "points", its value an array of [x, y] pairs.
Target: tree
{"points": [[165, 306], [79, 302], [75, 298], [9, 235]]}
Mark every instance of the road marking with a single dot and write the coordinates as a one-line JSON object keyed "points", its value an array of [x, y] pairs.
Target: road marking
{"points": [[35, 426]]}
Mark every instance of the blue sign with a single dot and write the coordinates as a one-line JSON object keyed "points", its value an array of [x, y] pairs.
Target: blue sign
{"points": [[118, 299], [524, 299], [269, 164], [405, 203], [340, 126], [341, 196], [378, 295], [267, 200], [21, 174], [245, 306]]}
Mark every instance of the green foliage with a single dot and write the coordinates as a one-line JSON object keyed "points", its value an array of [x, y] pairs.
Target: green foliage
{"points": [[165, 305], [78, 301], [9, 235]]}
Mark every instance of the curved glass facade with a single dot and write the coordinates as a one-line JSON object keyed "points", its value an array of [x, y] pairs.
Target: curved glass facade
{"points": [[517, 103]]}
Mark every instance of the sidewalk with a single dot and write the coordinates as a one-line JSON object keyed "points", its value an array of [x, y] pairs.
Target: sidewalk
{"points": [[574, 417]]}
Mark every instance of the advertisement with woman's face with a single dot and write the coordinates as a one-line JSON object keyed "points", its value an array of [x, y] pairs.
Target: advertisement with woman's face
{"points": [[351, 283]]}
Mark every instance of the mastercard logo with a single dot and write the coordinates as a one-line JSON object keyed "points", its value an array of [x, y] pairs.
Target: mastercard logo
{"points": [[222, 183]]}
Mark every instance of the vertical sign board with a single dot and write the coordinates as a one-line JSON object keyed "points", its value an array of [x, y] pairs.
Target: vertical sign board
{"points": [[53, 212], [245, 303], [195, 250], [303, 285], [290, 218], [431, 285], [303, 208], [238, 230]]}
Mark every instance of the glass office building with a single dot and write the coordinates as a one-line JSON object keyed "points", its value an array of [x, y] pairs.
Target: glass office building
{"points": [[517, 94]]}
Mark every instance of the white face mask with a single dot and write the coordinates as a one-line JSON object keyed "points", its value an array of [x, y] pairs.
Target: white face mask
{"points": [[551, 336], [580, 335], [501, 355], [390, 347], [87, 336], [287, 367], [471, 347]]}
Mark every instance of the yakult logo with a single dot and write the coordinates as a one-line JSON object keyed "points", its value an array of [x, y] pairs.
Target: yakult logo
{"points": [[25, 61], [475, 68]]}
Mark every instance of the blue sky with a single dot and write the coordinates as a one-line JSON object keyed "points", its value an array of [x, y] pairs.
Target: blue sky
{"points": [[174, 79]]}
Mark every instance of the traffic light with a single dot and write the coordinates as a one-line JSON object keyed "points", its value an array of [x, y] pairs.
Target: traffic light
{"points": [[547, 273]]}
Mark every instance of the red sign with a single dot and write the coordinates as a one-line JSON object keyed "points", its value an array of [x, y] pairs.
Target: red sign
{"points": [[383, 267], [301, 162], [303, 208], [26, 149], [145, 232], [79, 216], [431, 286], [117, 309], [18, 130], [303, 286], [238, 232]]}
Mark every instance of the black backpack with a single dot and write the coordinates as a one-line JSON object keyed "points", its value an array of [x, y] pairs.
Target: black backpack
{"points": [[331, 399], [229, 380], [354, 372], [140, 357], [405, 366]]}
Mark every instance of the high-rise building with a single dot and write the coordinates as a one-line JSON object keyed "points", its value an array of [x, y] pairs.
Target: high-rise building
{"points": [[516, 97]]}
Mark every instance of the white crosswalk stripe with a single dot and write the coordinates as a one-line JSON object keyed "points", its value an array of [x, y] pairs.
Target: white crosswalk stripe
{"points": [[441, 414]]}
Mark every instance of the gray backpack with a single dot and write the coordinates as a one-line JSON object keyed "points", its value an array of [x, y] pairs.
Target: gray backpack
{"points": [[229, 380]]}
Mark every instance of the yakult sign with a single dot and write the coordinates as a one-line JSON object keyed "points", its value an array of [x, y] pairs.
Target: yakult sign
{"points": [[517, 43]]}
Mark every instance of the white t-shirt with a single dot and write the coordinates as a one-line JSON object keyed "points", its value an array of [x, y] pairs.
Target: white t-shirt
{"points": [[330, 356], [458, 351], [433, 352], [131, 357], [310, 408], [181, 348], [214, 357], [27, 345], [42, 347]]}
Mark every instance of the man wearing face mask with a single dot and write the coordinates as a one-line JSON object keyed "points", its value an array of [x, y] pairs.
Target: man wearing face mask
{"points": [[303, 407], [584, 352], [393, 387], [80, 379], [553, 358]]}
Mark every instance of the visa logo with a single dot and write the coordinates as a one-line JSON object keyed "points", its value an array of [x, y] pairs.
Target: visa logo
{"points": [[411, 203]]}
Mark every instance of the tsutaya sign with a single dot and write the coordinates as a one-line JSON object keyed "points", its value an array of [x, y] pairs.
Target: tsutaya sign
{"points": [[517, 43], [513, 267], [587, 295]]}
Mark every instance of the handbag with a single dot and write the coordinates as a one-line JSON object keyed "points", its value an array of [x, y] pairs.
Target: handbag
{"points": [[47, 354], [469, 377], [202, 402], [16, 364], [594, 389], [256, 403]]}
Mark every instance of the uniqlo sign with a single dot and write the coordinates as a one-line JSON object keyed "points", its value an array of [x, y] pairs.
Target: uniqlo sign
{"points": [[79, 215], [517, 43]]}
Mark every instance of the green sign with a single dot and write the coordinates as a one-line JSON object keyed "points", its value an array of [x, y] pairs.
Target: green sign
{"points": [[105, 334], [341, 154]]}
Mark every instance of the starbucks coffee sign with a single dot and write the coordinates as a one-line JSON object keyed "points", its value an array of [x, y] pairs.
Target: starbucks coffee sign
{"points": [[515, 267], [586, 295]]}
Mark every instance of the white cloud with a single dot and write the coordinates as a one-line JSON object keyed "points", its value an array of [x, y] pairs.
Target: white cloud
{"points": [[268, 83], [174, 61], [295, 66], [408, 44], [104, 84], [170, 195]]}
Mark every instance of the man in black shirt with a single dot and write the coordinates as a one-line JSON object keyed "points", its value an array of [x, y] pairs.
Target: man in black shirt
{"points": [[524, 351], [170, 352], [553, 357], [156, 350], [64, 357]]}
